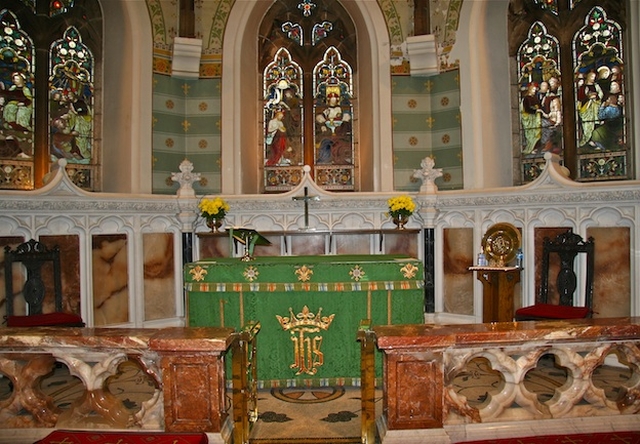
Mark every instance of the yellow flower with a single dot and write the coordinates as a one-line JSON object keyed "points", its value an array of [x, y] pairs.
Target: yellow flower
{"points": [[213, 208], [401, 205]]}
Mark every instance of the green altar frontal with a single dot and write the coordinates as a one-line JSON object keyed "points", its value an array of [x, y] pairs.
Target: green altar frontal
{"points": [[309, 308]]}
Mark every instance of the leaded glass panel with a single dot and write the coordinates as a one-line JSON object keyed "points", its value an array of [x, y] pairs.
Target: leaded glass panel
{"points": [[57, 7], [540, 99], [600, 99], [333, 111], [71, 99], [549, 5], [17, 100], [283, 117]]}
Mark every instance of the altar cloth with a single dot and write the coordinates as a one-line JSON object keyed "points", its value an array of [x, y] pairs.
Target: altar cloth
{"points": [[279, 291]]}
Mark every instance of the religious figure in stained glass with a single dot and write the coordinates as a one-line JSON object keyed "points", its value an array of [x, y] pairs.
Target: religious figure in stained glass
{"points": [[16, 89], [71, 99], [334, 125], [599, 97], [541, 101], [283, 122], [333, 122]]}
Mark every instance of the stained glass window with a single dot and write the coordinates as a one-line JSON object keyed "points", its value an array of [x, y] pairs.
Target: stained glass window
{"points": [[308, 122], [333, 115], [48, 104], [71, 99], [571, 89], [600, 98], [283, 114], [17, 101], [57, 7], [540, 99]]}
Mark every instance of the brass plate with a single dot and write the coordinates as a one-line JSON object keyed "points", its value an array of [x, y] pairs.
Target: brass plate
{"points": [[501, 243]]}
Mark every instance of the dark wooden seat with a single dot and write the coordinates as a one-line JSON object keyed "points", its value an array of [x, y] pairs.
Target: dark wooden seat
{"points": [[34, 256], [567, 246]]}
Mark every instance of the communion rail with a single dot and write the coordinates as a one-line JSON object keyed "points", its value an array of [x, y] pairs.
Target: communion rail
{"points": [[186, 366], [421, 403]]}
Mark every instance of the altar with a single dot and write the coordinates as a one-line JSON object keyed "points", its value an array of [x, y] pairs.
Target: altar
{"points": [[309, 308]]}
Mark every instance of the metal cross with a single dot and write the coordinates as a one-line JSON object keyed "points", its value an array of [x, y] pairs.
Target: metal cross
{"points": [[306, 198]]}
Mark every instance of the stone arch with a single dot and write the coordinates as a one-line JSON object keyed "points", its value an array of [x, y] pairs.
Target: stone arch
{"points": [[241, 149]]}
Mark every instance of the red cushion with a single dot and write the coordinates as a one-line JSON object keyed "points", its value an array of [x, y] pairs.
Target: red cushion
{"points": [[44, 320], [101, 437], [550, 311]]}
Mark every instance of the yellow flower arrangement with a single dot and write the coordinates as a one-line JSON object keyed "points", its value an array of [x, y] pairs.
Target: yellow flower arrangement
{"points": [[213, 208], [401, 205]]}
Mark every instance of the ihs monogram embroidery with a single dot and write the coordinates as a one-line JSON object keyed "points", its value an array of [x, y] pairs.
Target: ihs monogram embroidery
{"points": [[306, 350]]}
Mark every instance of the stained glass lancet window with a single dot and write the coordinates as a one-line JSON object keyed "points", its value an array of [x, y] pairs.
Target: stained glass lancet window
{"points": [[17, 94], [600, 99], [283, 117], [71, 101], [333, 111], [540, 99]]}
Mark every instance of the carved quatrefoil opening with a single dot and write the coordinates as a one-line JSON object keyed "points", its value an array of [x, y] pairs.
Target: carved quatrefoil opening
{"points": [[62, 386], [616, 376], [546, 378], [478, 382], [6, 387]]}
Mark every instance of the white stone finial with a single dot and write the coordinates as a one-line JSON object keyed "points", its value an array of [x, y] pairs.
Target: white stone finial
{"points": [[186, 178], [428, 174]]}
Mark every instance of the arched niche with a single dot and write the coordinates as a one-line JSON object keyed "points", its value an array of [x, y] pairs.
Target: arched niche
{"points": [[241, 138]]}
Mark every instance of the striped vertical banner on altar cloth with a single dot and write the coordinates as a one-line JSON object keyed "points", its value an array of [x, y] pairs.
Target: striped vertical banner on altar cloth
{"points": [[221, 287], [339, 286], [373, 286], [237, 286], [306, 286], [289, 287], [356, 286], [254, 286], [323, 287], [271, 286]]}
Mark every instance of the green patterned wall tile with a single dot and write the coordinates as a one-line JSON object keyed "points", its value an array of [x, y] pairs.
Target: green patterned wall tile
{"points": [[446, 139], [197, 124], [411, 103], [168, 143], [206, 88], [411, 141], [449, 157], [203, 106], [410, 85], [169, 162]]}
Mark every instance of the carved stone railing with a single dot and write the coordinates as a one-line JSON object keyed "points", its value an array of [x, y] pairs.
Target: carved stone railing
{"points": [[421, 363], [184, 364]]}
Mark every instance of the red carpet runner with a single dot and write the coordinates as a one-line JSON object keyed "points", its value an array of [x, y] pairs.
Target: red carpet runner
{"points": [[78, 437], [587, 438]]}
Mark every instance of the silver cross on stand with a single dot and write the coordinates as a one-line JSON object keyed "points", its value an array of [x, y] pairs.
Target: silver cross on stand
{"points": [[306, 198]]}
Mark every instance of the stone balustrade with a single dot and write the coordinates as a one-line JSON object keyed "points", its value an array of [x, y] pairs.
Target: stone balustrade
{"points": [[184, 364], [422, 361]]}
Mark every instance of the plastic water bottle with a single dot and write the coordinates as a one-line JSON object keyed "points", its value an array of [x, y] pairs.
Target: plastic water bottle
{"points": [[519, 258], [482, 260]]}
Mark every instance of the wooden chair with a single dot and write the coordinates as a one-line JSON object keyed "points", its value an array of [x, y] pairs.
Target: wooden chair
{"points": [[567, 246], [34, 255]]}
